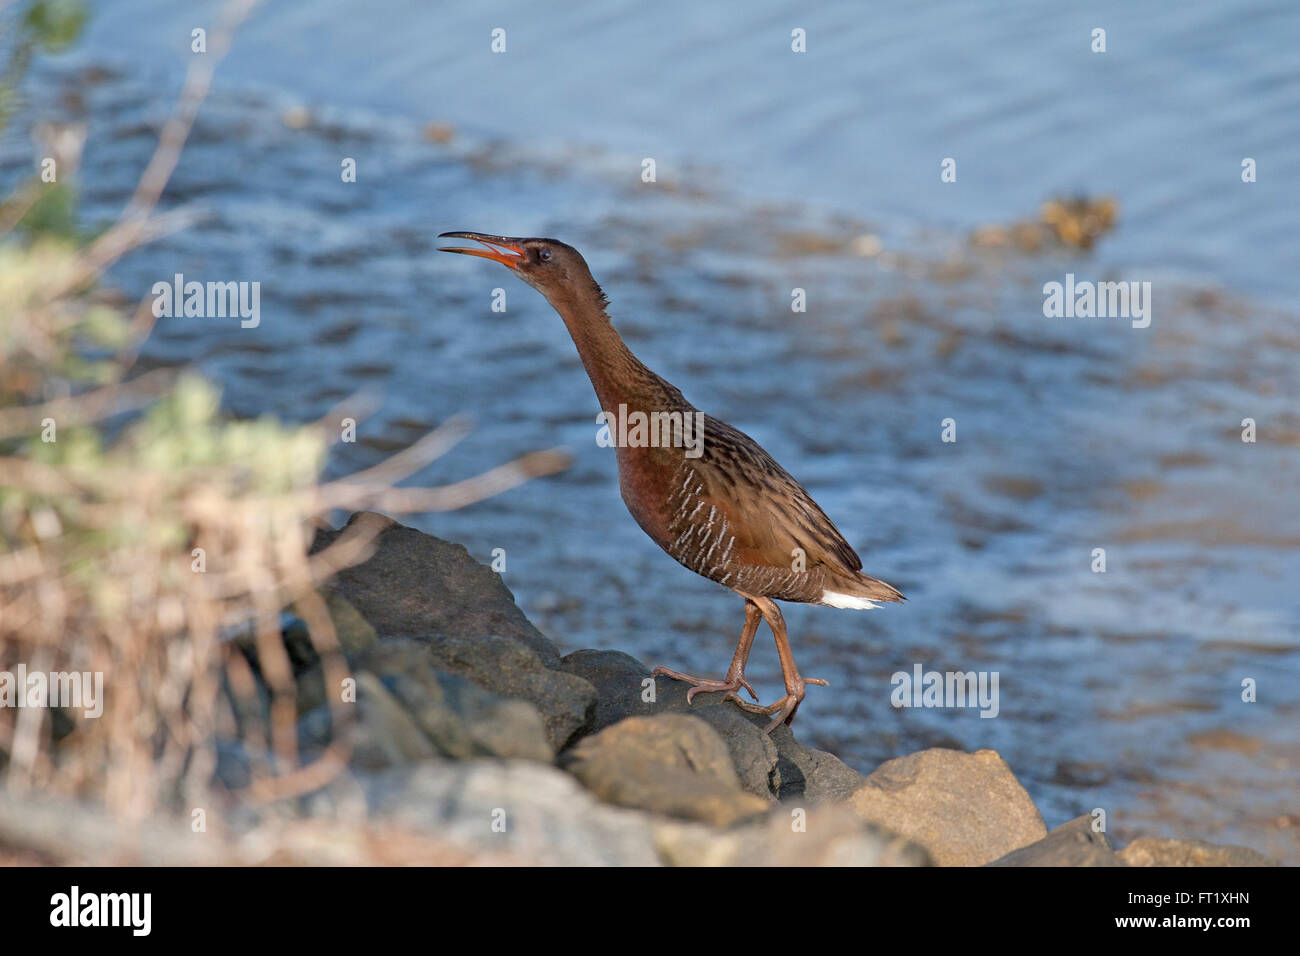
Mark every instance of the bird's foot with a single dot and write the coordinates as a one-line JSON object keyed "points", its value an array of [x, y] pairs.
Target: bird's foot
{"points": [[729, 685], [783, 710]]}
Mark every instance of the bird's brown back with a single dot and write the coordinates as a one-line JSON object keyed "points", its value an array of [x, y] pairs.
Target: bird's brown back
{"points": [[735, 516]]}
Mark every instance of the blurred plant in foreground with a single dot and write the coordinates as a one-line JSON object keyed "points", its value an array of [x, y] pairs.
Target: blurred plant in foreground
{"points": [[139, 530]]}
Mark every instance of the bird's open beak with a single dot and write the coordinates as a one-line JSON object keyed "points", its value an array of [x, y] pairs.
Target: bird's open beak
{"points": [[502, 249]]}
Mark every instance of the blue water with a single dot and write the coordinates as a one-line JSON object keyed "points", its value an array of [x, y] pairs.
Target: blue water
{"points": [[858, 124], [1119, 690]]}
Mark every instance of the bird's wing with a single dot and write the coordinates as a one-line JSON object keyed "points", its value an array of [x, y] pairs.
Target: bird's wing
{"points": [[766, 509]]}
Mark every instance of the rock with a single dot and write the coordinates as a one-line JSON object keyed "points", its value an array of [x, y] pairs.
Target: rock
{"points": [[753, 755], [462, 720], [416, 584], [803, 773], [232, 771], [309, 691], [516, 811], [1071, 844], [498, 667], [351, 630], [315, 732], [673, 764], [830, 836], [1154, 851], [354, 632], [965, 809], [619, 680], [412, 714], [511, 669], [385, 735]]}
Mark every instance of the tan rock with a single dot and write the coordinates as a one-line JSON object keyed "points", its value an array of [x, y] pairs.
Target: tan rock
{"points": [[828, 835], [965, 809], [1154, 851], [673, 764]]}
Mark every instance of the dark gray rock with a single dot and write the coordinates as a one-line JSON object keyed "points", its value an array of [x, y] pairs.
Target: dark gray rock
{"points": [[384, 734], [352, 632], [622, 691], [766, 764], [416, 584], [407, 710], [673, 764], [619, 680], [498, 664], [1071, 844], [805, 774], [462, 720], [1153, 851], [753, 754]]}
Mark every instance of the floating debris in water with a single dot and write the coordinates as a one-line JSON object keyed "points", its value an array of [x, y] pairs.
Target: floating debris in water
{"points": [[1076, 222], [441, 133], [867, 245], [296, 117]]}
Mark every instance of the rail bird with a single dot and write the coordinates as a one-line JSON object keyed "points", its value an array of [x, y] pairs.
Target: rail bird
{"points": [[716, 502]]}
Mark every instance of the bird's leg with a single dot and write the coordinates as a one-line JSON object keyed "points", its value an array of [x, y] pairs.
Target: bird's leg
{"points": [[735, 678], [795, 684]]}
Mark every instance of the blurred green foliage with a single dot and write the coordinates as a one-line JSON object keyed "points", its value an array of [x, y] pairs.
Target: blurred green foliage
{"points": [[43, 357], [54, 213], [47, 26], [115, 486], [59, 338], [54, 25]]}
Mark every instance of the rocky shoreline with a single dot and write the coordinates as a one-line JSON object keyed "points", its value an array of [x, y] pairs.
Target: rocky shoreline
{"points": [[472, 727]]}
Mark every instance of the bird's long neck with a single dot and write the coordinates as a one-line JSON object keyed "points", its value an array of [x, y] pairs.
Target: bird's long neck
{"points": [[618, 376]]}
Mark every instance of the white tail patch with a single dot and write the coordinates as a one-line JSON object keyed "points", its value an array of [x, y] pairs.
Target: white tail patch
{"points": [[836, 599]]}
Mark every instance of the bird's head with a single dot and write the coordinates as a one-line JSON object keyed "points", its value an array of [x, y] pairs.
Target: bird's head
{"points": [[554, 269]]}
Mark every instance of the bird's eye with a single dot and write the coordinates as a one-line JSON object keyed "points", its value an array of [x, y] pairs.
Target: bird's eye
{"points": [[544, 255]]}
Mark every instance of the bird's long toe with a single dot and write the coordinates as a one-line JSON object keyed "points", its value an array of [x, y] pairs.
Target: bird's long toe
{"points": [[783, 710], [730, 685], [763, 710]]}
